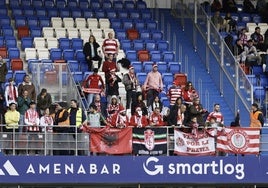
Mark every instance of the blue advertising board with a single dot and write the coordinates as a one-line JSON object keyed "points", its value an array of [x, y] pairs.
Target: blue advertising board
{"points": [[133, 169]]}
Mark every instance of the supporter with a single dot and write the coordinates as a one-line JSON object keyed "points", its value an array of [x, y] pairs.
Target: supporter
{"points": [[256, 116], [11, 92], [178, 115], [243, 37], [252, 56], [155, 118], [258, 40], [196, 110], [165, 114], [193, 126], [32, 123], [61, 129], [120, 119], [112, 84], [229, 23], [239, 51], [236, 122], [218, 21], [110, 46], [229, 6], [248, 7], [76, 117], [12, 117], [3, 109], [94, 118], [108, 65], [131, 83], [44, 101], [91, 52], [216, 114], [153, 84], [113, 106], [92, 85], [173, 93], [46, 122], [29, 86], [156, 104], [3, 73], [101, 106], [189, 93], [139, 103], [216, 6], [138, 119], [23, 105]]}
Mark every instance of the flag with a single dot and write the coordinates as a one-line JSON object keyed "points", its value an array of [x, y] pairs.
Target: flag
{"points": [[111, 141], [239, 140], [195, 145], [149, 141]]}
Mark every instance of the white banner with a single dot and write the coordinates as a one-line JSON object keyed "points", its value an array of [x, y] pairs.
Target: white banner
{"points": [[189, 144]]}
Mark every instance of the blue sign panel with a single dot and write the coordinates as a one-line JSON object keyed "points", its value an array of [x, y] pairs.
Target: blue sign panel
{"points": [[128, 169]]}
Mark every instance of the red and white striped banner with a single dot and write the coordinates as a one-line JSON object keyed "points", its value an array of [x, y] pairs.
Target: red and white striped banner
{"points": [[189, 144], [239, 140]]}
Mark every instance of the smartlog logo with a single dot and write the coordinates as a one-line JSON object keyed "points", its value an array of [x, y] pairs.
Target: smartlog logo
{"points": [[8, 169]]}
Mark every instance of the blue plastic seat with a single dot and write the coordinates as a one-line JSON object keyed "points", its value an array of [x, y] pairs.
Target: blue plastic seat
{"points": [[76, 43], [3, 11], [141, 5], [13, 53], [174, 67], [55, 54], [37, 3], [35, 31], [168, 56], [263, 80], [60, 3], [10, 42], [28, 11], [4, 20], [107, 4], [257, 70], [110, 13], [150, 45], [87, 13], [73, 65], [151, 25], [126, 44], [64, 43], [9, 74], [78, 77], [245, 17], [122, 14], [31, 66], [64, 12], [120, 34], [162, 67], [14, 3], [100, 13], [25, 3], [139, 24], [129, 4], [20, 21], [157, 35], [80, 56], [40, 11], [16, 11], [131, 55], [138, 66], [52, 12], [76, 13], [147, 66], [95, 4], [7, 30], [72, 3], [156, 56], [141, 77], [146, 14], [26, 42], [145, 34], [162, 45], [165, 101], [18, 75], [83, 4], [83, 66], [49, 3], [138, 45], [116, 23], [68, 54], [32, 21], [167, 78], [134, 14], [259, 93], [118, 4], [2, 41]]}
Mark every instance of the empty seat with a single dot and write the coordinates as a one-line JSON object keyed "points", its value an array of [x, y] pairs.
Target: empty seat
{"points": [[174, 67], [95, 4], [10, 42], [129, 4], [56, 22], [92, 23], [156, 56], [162, 45], [151, 25], [80, 56], [147, 66], [99, 13], [98, 33], [5, 20], [52, 43], [141, 5], [19, 75], [180, 79], [131, 55], [139, 24], [55, 54], [127, 24], [42, 53], [16, 64], [64, 43], [60, 32], [145, 34], [120, 34], [49, 3], [126, 44], [72, 33], [167, 78], [3, 52], [13, 53], [26, 42], [7, 30], [37, 3], [84, 33], [143, 55], [23, 31], [68, 22], [76, 13], [132, 34], [157, 35], [138, 45], [162, 67], [31, 65], [16, 11], [41, 11], [111, 14], [52, 12], [104, 23], [28, 11], [76, 43], [146, 14], [78, 77], [35, 32], [80, 23], [44, 21], [168, 56], [39, 42], [60, 3], [141, 77], [259, 93], [150, 45], [87, 13], [48, 32], [72, 3], [134, 14], [122, 14], [138, 67], [106, 4], [68, 54], [32, 21], [20, 21], [73, 65], [118, 4], [116, 23], [30, 53]]}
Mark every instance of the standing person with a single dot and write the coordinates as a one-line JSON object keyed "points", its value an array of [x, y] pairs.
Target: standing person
{"points": [[11, 92], [32, 121], [61, 128], [252, 55], [196, 110], [173, 93], [153, 84], [189, 93], [91, 52], [3, 73], [177, 113], [29, 86], [131, 83], [258, 40], [94, 118], [92, 85], [239, 51], [113, 106], [243, 37], [46, 123], [44, 101], [12, 117], [112, 84], [23, 105], [108, 65], [256, 116], [101, 106], [216, 114], [139, 103], [110, 46]]}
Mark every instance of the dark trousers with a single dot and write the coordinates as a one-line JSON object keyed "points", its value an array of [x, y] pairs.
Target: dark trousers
{"points": [[152, 93], [90, 63], [131, 96]]}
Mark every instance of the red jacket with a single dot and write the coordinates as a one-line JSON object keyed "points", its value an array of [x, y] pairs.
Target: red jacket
{"points": [[138, 121], [156, 119], [91, 84], [118, 121]]}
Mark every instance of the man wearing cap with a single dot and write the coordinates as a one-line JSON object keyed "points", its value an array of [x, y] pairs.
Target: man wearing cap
{"points": [[131, 83], [256, 117], [92, 85], [11, 92], [153, 84], [120, 119]]}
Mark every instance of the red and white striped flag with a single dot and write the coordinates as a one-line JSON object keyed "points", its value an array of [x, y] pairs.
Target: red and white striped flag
{"points": [[239, 140]]}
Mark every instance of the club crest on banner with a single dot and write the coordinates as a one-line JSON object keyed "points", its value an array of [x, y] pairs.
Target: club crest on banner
{"points": [[149, 139], [238, 140]]}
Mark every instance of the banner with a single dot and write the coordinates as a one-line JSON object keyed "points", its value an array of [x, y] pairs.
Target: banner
{"points": [[189, 144], [111, 141], [149, 141], [239, 140]]}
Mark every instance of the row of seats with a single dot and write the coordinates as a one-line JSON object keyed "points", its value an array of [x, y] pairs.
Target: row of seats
{"points": [[148, 44], [154, 56], [83, 4]]}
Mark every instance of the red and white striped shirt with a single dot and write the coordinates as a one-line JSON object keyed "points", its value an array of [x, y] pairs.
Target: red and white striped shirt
{"points": [[110, 46], [217, 115], [174, 92]]}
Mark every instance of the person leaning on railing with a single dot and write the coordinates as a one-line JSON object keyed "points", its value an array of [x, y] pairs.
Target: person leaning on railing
{"points": [[256, 117]]}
